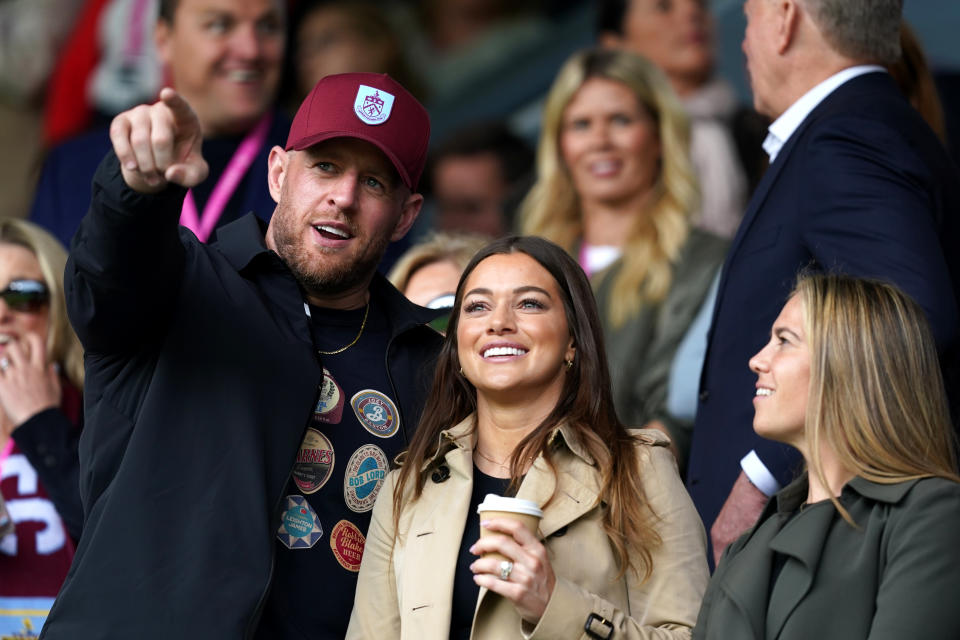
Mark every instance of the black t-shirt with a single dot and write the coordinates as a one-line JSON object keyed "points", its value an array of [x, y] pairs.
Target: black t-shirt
{"points": [[465, 590], [346, 452]]}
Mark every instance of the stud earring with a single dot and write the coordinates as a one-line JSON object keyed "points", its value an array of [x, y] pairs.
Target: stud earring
{"points": [[569, 363]]}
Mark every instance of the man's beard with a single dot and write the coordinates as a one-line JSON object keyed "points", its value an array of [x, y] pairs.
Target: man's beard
{"points": [[327, 277]]}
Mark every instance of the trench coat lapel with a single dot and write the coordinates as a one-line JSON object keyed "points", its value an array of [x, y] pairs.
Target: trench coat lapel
{"points": [[577, 492], [802, 541], [434, 542]]}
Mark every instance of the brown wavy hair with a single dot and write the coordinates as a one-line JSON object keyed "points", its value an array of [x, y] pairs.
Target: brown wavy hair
{"points": [[585, 404]]}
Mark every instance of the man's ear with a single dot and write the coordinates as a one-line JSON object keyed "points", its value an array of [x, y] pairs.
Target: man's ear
{"points": [[610, 40], [277, 171], [409, 211], [789, 22]]}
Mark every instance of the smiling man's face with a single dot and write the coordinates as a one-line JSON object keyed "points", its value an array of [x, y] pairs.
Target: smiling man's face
{"points": [[339, 203], [224, 57]]}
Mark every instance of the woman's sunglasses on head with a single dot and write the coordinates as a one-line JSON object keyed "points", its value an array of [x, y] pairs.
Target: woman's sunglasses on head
{"points": [[25, 295]]}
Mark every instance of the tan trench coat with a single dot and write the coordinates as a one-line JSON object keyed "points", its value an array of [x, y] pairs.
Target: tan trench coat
{"points": [[405, 591]]}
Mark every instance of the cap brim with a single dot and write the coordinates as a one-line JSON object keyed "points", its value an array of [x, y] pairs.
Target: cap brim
{"points": [[317, 138]]}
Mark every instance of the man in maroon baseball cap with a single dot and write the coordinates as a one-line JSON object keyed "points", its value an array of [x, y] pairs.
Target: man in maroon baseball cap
{"points": [[251, 392]]}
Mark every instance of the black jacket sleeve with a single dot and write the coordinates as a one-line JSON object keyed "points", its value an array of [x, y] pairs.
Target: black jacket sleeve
{"points": [[126, 263]]}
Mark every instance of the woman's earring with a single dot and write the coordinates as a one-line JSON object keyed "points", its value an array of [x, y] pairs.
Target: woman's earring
{"points": [[461, 372], [569, 363]]}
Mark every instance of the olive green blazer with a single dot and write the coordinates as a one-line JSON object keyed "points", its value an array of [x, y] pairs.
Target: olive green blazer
{"points": [[405, 586], [895, 576], [641, 351]]}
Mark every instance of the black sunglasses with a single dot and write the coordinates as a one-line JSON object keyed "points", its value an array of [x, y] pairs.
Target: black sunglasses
{"points": [[26, 295]]}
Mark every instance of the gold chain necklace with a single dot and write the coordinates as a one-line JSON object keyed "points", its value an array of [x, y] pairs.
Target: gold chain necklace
{"points": [[489, 459], [359, 333]]}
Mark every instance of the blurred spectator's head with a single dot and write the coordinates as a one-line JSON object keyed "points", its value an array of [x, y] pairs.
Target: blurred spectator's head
{"points": [[676, 35], [477, 177], [913, 76], [451, 24], [35, 260], [343, 36], [428, 273], [224, 57]]}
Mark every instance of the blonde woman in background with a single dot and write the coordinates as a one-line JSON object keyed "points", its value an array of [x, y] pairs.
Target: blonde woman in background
{"points": [[429, 271], [615, 188], [41, 379], [863, 544]]}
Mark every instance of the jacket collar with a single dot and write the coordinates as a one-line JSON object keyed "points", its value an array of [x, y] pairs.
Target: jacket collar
{"points": [[461, 437], [802, 540], [242, 243], [793, 495], [575, 489]]}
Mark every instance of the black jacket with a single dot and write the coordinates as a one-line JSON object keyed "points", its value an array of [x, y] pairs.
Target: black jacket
{"points": [[201, 378]]}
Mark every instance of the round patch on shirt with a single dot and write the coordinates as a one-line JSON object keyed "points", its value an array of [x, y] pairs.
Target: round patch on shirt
{"points": [[314, 462], [363, 477], [376, 412], [329, 407], [347, 542], [299, 526]]}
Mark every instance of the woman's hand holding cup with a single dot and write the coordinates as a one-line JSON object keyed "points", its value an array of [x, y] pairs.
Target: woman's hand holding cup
{"points": [[513, 562]]}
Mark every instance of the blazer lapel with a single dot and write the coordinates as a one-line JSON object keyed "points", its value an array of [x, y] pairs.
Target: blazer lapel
{"points": [[802, 541], [744, 574], [432, 547]]}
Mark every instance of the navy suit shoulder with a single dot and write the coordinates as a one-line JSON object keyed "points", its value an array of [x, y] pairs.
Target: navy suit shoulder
{"points": [[63, 191], [863, 187]]}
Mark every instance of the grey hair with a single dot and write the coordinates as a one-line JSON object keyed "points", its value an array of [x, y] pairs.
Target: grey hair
{"points": [[865, 30]]}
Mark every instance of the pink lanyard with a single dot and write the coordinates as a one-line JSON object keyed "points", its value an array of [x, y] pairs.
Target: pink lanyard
{"points": [[242, 158], [7, 450], [582, 258]]}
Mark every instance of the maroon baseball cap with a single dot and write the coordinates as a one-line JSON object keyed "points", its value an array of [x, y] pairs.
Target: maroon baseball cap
{"points": [[369, 106]]}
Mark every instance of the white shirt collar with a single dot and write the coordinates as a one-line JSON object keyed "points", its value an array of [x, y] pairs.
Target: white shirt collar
{"points": [[784, 126]]}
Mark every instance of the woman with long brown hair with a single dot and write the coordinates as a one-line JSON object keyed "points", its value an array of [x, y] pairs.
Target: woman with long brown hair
{"points": [[521, 405]]}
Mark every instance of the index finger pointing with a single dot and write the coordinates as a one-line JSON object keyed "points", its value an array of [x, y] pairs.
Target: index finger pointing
{"points": [[178, 105]]}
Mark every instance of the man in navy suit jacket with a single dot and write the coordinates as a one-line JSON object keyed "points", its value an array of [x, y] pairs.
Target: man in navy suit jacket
{"points": [[857, 183]]}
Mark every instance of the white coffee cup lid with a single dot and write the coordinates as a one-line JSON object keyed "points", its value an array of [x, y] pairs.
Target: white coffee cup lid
{"points": [[493, 502]]}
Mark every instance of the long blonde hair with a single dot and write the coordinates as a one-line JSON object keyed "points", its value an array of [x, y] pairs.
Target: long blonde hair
{"points": [[552, 208], [63, 347], [876, 392]]}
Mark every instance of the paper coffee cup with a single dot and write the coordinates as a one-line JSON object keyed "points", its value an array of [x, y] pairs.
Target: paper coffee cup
{"points": [[524, 511]]}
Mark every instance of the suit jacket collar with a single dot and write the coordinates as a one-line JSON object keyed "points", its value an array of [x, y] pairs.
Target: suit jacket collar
{"points": [[851, 92]]}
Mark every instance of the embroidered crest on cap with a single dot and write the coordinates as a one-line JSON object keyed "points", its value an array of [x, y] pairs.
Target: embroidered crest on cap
{"points": [[329, 407], [376, 412], [314, 462], [347, 543], [372, 105], [363, 477], [299, 526]]}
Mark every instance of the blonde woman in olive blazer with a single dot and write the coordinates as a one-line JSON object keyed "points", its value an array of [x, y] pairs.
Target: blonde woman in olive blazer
{"points": [[404, 590], [864, 544], [522, 394]]}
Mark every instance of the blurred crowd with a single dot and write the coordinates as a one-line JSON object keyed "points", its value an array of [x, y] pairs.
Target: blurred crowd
{"points": [[602, 126]]}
